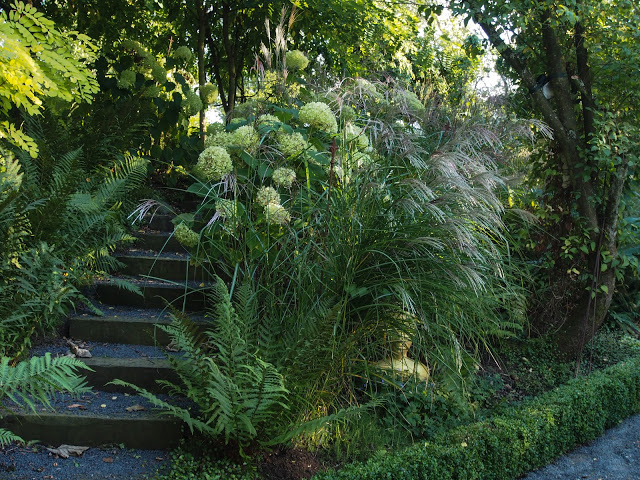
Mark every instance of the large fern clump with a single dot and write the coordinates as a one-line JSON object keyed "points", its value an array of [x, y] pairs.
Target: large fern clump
{"points": [[237, 394], [33, 382], [59, 225]]}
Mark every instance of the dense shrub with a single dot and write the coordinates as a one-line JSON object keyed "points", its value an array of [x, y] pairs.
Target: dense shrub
{"points": [[534, 433]]}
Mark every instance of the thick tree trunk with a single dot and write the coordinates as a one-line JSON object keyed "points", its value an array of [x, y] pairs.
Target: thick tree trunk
{"points": [[571, 138]]}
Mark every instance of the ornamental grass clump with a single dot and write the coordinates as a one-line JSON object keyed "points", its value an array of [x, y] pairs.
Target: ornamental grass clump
{"points": [[214, 163], [319, 115]]}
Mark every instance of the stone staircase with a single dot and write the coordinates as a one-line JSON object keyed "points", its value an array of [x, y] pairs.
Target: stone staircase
{"points": [[124, 344]]}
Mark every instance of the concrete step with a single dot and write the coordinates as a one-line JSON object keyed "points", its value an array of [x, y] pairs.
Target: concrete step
{"points": [[158, 241], [187, 296], [142, 372], [160, 221], [141, 365], [175, 266], [125, 325], [94, 419], [121, 325]]}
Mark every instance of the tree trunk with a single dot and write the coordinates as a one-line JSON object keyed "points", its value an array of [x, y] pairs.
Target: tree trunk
{"points": [[571, 139], [202, 78]]}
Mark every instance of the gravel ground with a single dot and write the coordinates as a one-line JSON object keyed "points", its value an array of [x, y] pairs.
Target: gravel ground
{"points": [[113, 463], [613, 456], [98, 349]]}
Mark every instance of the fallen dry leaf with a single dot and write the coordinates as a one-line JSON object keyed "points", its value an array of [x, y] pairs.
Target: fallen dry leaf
{"points": [[79, 406], [77, 351], [135, 408], [107, 459], [65, 451]]}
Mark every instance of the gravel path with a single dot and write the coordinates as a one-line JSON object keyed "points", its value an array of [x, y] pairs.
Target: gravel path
{"points": [[114, 463], [613, 456]]}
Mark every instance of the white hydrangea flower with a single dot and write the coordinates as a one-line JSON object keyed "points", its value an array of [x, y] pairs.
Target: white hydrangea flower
{"points": [[276, 214], [356, 134], [284, 177], [186, 236], [191, 103], [182, 53], [209, 93], [227, 210], [267, 120], [218, 137], [267, 195], [291, 144], [319, 115], [158, 73], [296, 60], [214, 163], [246, 138], [347, 113], [126, 79], [409, 101]]}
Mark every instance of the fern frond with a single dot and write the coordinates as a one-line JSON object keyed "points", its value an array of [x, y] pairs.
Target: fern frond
{"points": [[166, 408], [37, 379], [125, 285], [7, 437]]}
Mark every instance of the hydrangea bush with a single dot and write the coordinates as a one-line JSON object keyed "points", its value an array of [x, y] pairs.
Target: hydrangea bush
{"points": [[339, 210]]}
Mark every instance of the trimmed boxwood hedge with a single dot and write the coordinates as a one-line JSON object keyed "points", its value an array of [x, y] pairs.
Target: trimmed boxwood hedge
{"points": [[512, 444]]}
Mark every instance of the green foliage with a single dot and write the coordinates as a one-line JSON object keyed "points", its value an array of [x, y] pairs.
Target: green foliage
{"points": [[59, 224], [533, 433], [39, 62], [358, 235], [185, 466], [30, 382], [238, 395]]}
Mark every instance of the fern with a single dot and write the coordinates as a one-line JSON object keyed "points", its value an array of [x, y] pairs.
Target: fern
{"points": [[36, 380], [6, 437], [238, 394]]}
